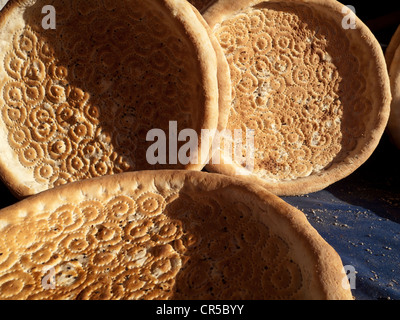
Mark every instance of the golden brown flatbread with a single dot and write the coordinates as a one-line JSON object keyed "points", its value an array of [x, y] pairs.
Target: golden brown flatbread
{"points": [[315, 91], [77, 101], [394, 74], [164, 235]]}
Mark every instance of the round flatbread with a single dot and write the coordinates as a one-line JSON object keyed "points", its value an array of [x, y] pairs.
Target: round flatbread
{"points": [[80, 100], [394, 74], [314, 91], [164, 235]]}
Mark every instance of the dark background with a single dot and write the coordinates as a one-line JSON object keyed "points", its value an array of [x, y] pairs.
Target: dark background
{"points": [[359, 215]]}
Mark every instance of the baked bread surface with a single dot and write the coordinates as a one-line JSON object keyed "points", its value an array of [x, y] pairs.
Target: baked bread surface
{"points": [[78, 101], [316, 94], [164, 235]]}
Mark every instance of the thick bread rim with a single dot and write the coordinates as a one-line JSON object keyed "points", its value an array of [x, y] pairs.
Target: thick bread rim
{"points": [[394, 119], [324, 263], [17, 189], [223, 75], [392, 47], [206, 56], [224, 82], [222, 10], [196, 31]]}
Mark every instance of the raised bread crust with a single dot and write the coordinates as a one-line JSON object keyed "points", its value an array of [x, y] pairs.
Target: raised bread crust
{"points": [[223, 76], [224, 84], [207, 58], [117, 140], [355, 148], [223, 233], [394, 119], [392, 47]]}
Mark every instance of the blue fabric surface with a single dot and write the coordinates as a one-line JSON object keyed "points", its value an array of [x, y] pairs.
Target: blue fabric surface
{"points": [[360, 218]]}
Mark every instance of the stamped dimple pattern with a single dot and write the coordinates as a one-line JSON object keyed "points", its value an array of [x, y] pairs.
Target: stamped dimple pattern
{"points": [[297, 84], [148, 244], [79, 104]]}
